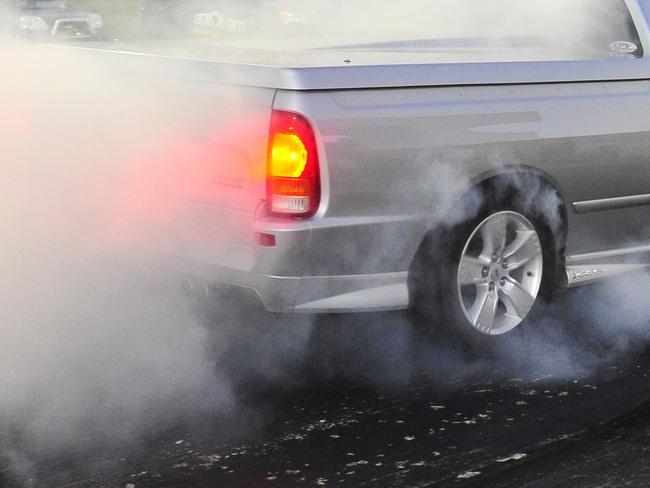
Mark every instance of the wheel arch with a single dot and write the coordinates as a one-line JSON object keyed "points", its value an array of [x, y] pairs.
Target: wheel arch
{"points": [[525, 178], [517, 178]]}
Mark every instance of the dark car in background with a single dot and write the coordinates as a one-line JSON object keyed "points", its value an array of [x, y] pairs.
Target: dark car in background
{"points": [[50, 19]]}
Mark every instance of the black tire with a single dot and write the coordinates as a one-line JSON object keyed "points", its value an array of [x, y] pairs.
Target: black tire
{"points": [[435, 304]]}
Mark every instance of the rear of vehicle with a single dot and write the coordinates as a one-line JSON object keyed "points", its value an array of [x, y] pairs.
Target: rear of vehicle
{"points": [[225, 190], [200, 187]]}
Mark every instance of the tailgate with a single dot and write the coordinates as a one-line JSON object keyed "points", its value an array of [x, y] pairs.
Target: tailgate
{"points": [[203, 175]]}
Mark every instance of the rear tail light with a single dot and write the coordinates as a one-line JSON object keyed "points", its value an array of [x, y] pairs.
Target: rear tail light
{"points": [[293, 183]]}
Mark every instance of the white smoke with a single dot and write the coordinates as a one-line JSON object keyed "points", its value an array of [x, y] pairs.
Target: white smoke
{"points": [[92, 349]]}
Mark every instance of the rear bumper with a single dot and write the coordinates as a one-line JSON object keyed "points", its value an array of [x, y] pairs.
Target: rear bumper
{"points": [[322, 265], [300, 294]]}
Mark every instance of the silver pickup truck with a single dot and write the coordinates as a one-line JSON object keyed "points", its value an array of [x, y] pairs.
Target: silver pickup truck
{"points": [[463, 177]]}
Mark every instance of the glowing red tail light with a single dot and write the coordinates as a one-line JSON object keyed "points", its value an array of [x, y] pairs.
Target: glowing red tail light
{"points": [[293, 181]]}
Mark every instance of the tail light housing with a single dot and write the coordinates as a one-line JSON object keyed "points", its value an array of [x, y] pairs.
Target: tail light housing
{"points": [[293, 179]]}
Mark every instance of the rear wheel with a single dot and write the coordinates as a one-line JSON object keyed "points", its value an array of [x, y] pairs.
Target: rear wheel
{"points": [[499, 273], [488, 278]]}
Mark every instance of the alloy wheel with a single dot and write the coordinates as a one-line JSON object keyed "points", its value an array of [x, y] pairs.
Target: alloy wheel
{"points": [[500, 273]]}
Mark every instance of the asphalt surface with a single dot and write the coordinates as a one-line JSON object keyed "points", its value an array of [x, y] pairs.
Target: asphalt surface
{"points": [[435, 428]]}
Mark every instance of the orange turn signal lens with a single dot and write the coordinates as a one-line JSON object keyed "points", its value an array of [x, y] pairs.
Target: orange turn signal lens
{"points": [[288, 156]]}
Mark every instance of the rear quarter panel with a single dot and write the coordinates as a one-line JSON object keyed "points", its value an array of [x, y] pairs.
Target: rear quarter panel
{"points": [[398, 160]]}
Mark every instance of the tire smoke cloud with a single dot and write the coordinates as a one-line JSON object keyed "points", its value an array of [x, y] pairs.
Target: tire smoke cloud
{"points": [[96, 349], [95, 344]]}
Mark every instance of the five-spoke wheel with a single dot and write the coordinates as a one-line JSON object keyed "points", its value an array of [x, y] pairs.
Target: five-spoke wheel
{"points": [[500, 273]]}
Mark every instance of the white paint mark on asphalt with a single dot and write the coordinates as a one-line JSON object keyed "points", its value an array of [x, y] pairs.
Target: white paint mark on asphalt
{"points": [[468, 475], [514, 457], [362, 462]]}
